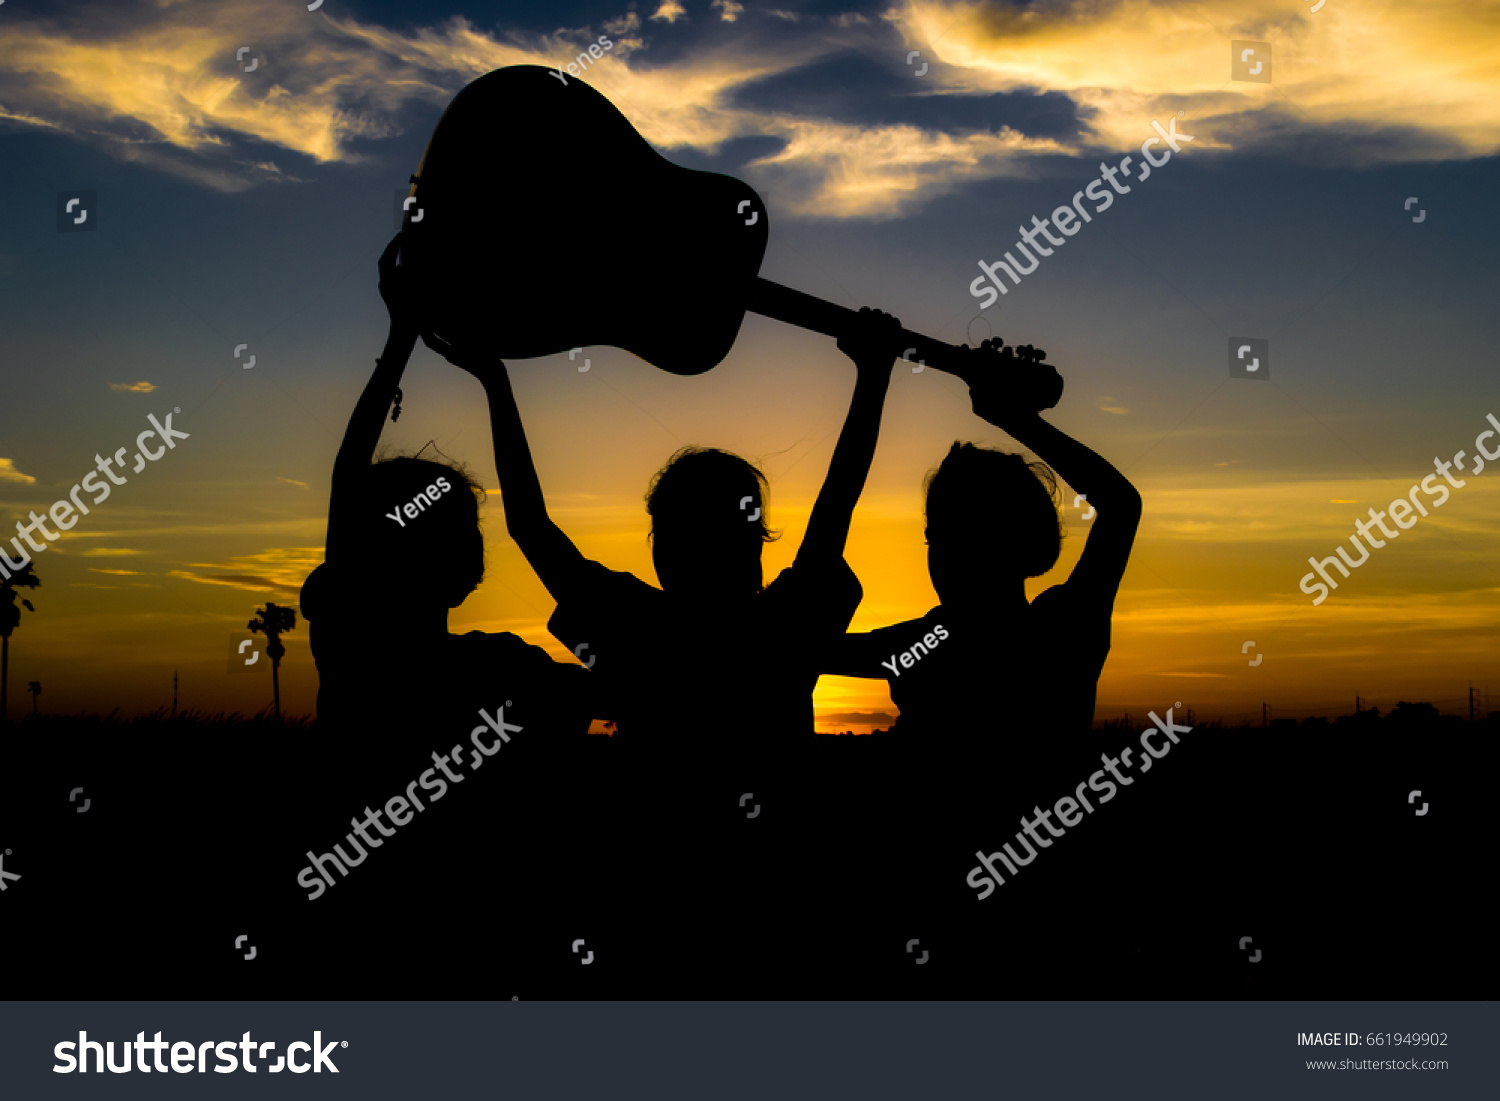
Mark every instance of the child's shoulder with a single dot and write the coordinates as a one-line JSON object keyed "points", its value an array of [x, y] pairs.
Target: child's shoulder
{"points": [[492, 650], [827, 577], [597, 578], [338, 591], [502, 641], [1072, 599], [921, 625]]}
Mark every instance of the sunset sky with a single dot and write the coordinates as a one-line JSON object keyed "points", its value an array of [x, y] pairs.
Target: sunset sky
{"points": [[249, 208]]}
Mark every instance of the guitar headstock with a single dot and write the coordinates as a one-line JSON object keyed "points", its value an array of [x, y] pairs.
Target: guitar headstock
{"points": [[1025, 353], [1021, 373]]}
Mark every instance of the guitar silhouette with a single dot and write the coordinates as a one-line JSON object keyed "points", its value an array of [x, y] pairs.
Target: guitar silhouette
{"points": [[550, 223]]}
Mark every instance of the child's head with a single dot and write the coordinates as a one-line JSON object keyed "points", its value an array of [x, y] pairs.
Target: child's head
{"points": [[419, 520], [992, 520], [708, 522]]}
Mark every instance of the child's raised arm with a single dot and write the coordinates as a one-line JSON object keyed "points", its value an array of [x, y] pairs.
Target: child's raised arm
{"points": [[363, 432], [551, 553], [995, 395], [874, 345]]}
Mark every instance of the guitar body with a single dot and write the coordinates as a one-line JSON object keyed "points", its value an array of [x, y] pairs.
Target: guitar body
{"points": [[543, 222], [547, 223]]}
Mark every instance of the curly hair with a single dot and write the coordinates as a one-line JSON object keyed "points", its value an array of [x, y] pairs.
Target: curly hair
{"points": [[702, 487], [1027, 532], [445, 537]]}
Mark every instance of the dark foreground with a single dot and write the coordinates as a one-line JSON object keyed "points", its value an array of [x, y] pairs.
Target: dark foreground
{"points": [[1301, 839]]}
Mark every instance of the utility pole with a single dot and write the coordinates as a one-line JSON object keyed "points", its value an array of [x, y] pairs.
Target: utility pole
{"points": [[1471, 703], [174, 693], [1356, 705]]}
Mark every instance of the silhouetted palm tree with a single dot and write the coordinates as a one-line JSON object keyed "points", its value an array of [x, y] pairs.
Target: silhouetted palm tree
{"points": [[35, 688], [10, 619], [271, 621]]}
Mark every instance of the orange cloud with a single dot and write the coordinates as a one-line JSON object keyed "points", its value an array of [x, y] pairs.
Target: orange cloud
{"points": [[9, 473], [669, 12], [1424, 73], [168, 89], [280, 571]]}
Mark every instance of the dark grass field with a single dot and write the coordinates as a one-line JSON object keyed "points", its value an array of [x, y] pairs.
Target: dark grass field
{"points": [[1300, 837]]}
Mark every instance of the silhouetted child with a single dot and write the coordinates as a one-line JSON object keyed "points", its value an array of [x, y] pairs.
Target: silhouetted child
{"points": [[404, 547], [714, 654], [986, 659], [710, 676], [996, 693], [450, 741]]}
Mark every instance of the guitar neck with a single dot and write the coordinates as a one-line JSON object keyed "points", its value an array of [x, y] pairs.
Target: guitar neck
{"points": [[807, 312]]}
